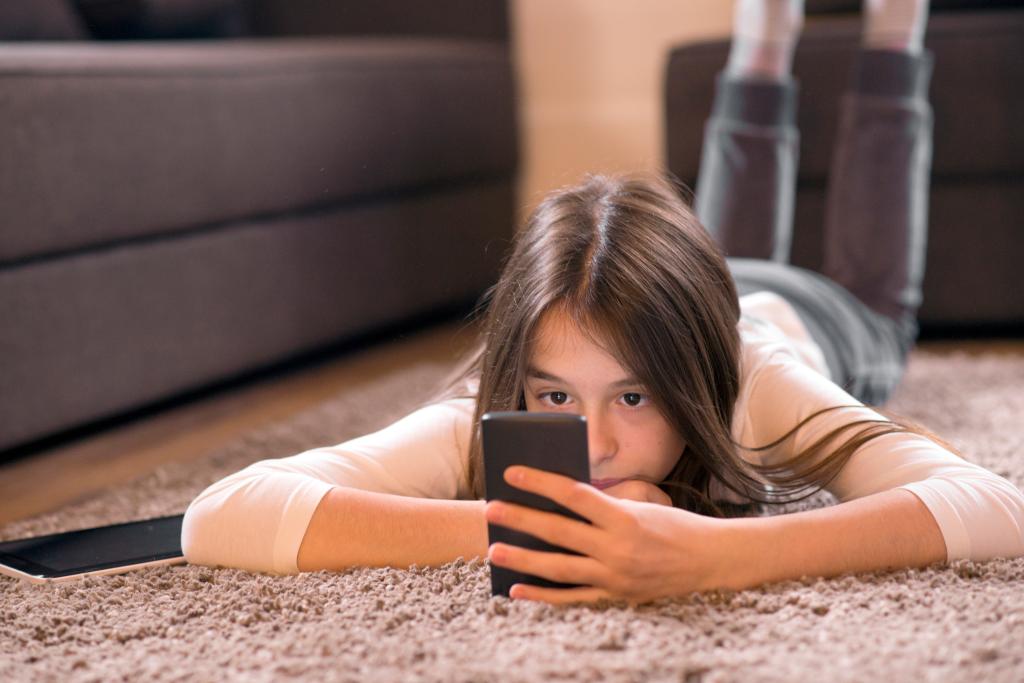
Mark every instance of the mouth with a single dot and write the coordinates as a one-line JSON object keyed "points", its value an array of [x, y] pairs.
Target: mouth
{"points": [[604, 483]]}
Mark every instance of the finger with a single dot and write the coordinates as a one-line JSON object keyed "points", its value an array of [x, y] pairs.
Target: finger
{"points": [[552, 527], [558, 596], [557, 567], [581, 498]]}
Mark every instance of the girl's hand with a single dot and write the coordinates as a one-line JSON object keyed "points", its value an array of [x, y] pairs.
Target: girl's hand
{"points": [[640, 491], [637, 551]]}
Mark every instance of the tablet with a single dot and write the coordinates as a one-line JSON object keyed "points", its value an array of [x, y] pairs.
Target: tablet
{"points": [[111, 549], [556, 442]]}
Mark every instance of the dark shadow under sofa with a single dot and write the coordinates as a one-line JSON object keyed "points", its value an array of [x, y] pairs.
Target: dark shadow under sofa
{"points": [[181, 212]]}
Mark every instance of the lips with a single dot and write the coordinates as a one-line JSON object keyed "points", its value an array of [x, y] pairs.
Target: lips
{"points": [[604, 483]]}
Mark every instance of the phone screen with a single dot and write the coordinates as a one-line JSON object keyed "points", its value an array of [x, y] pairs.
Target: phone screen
{"points": [[556, 442], [74, 552]]}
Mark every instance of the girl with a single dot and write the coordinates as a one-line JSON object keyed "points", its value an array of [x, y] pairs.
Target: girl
{"points": [[710, 385]]}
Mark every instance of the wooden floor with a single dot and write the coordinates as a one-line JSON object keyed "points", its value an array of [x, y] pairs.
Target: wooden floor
{"points": [[64, 474], [72, 471]]}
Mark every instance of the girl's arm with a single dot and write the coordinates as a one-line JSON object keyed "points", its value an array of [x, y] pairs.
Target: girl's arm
{"points": [[257, 518], [903, 498], [885, 530], [353, 528]]}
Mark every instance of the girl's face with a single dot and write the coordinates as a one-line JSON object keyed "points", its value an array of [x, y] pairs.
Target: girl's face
{"points": [[627, 436]]}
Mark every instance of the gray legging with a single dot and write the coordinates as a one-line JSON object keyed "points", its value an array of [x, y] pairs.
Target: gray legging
{"points": [[862, 308]]}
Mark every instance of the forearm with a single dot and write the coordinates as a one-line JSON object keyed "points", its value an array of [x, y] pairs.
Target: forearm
{"points": [[353, 528], [890, 529]]}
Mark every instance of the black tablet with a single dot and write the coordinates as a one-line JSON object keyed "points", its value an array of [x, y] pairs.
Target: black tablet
{"points": [[100, 550]]}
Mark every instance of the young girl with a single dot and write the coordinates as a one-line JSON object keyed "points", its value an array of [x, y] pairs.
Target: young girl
{"points": [[710, 385]]}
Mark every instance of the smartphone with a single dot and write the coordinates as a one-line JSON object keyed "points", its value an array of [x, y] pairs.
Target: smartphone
{"points": [[111, 549], [556, 442]]}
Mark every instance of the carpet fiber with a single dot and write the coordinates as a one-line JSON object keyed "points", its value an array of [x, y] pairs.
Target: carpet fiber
{"points": [[963, 622]]}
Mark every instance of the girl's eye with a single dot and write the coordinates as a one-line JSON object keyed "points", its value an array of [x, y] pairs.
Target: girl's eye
{"points": [[556, 393], [633, 399], [559, 398]]}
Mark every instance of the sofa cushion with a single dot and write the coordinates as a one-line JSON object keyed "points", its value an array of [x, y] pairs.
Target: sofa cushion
{"points": [[40, 20], [105, 142], [97, 334]]}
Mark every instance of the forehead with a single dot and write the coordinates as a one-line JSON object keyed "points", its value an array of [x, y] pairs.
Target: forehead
{"points": [[557, 334]]}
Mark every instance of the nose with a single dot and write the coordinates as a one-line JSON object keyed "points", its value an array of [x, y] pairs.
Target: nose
{"points": [[601, 442]]}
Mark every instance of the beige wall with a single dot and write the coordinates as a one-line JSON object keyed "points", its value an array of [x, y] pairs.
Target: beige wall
{"points": [[590, 77]]}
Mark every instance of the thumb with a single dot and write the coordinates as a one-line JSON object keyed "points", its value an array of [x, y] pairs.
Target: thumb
{"points": [[629, 489]]}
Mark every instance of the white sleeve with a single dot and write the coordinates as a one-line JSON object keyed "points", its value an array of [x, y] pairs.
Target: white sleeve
{"points": [[256, 518], [980, 514]]}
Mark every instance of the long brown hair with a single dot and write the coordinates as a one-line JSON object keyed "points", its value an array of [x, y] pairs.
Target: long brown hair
{"points": [[633, 268]]}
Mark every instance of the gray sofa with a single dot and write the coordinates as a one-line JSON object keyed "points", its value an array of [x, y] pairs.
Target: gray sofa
{"points": [[973, 285], [181, 213]]}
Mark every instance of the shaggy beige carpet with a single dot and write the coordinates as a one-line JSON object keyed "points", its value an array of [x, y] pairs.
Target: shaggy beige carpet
{"points": [[963, 622]]}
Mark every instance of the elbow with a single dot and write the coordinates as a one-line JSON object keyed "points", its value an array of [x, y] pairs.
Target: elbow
{"points": [[1006, 522], [981, 514], [195, 534], [999, 532], [1015, 513], [237, 523]]}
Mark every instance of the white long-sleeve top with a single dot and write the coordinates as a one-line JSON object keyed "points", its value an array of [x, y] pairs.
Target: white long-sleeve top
{"points": [[255, 519]]}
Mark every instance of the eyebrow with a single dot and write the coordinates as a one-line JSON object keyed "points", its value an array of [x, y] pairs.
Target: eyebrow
{"points": [[537, 373]]}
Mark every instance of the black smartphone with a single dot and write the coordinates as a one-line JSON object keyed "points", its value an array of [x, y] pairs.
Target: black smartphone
{"points": [[110, 549], [556, 442]]}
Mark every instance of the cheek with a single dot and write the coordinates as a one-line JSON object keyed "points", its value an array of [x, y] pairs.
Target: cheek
{"points": [[667, 433], [654, 437], [670, 442]]}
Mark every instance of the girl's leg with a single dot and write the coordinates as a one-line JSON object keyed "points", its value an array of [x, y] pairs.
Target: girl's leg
{"points": [[747, 181], [876, 211], [747, 178], [876, 221], [878, 191], [861, 312]]}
